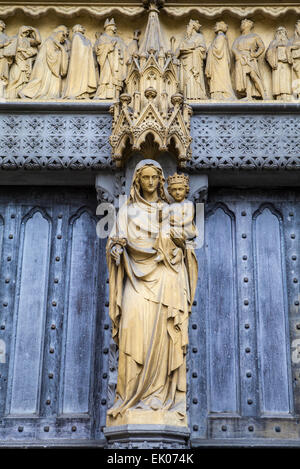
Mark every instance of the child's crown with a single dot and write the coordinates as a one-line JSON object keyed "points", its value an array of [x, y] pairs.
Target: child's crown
{"points": [[178, 179]]}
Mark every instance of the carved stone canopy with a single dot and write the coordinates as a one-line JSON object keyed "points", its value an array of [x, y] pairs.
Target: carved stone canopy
{"points": [[152, 103]]}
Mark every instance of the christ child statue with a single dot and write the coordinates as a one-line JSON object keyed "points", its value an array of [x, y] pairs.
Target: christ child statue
{"points": [[177, 229]]}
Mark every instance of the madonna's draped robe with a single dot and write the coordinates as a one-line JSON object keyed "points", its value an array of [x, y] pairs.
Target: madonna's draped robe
{"points": [[149, 307]]}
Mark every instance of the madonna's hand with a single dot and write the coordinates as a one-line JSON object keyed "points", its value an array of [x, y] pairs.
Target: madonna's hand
{"points": [[116, 252]]}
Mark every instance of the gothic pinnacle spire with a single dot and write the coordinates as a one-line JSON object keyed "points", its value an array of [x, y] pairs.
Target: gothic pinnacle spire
{"points": [[153, 39], [158, 3]]}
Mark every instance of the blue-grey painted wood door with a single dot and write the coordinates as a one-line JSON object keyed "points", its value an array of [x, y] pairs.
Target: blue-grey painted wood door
{"points": [[52, 289], [244, 334]]}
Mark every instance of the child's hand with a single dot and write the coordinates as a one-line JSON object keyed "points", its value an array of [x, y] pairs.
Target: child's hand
{"points": [[177, 253]]}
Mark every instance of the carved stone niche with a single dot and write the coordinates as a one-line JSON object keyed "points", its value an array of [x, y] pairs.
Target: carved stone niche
{"points": [[133, 432], [152, 104], [198, 182]]}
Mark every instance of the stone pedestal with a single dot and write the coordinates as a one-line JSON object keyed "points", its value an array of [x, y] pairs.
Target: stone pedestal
{"points": [[147, 437]]}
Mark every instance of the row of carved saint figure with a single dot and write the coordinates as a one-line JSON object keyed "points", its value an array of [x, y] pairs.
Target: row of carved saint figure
{"points": [[75, 69], [282, 54]]}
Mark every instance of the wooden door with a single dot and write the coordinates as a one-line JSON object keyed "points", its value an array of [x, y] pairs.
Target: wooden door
{"points": [[51, 328], [245, 327]]}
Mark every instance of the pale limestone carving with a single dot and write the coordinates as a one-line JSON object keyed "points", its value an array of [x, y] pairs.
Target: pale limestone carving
{"points": [[294, 47], [70, 11], [237, 11], [100, 12], [50, 66], [279, 57], [81, 65], [67, 45], [133, 46], [247, 48], [68, 42], [191, 53], [6, 54], [179, 226], [153, 38], [218, 65], [26, 48], [152, 90], [111, 53], [150, 325], [132, 49]]}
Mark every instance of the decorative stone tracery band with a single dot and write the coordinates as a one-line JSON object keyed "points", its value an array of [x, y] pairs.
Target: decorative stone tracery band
{"points": [[61, 141]]}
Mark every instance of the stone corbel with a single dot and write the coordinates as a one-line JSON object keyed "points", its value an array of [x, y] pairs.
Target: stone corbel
{"points": [[198, 188], [198, 195], [104, 185]]}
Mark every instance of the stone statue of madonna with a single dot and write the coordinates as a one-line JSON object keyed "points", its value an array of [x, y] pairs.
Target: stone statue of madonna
{"points": [[150, 302]]}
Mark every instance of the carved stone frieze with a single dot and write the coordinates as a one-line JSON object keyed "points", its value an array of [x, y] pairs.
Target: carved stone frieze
{"points": [[38, 62], [147, 437]]}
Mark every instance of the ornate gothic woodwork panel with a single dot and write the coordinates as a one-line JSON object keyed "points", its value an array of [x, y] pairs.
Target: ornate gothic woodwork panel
{"points": [[244, 328]]}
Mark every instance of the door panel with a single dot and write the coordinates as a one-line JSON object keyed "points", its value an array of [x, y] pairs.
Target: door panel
{"points": [[222, 313], [30, 312], [80, 304], [245, 324], [271, 311], [51, 317]]}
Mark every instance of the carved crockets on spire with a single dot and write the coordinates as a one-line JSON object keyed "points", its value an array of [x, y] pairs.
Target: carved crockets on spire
{"points": [[152, 103]]}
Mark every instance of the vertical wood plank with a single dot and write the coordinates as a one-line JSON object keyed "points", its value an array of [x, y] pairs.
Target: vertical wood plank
{"points": [[197, 359], [55, 308], [3, 355], [102, 367], [9, 260], [222, 312], [30, 314], [2, 341], [271, 311], [80, 316], [292, 243], [246, 347]]}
